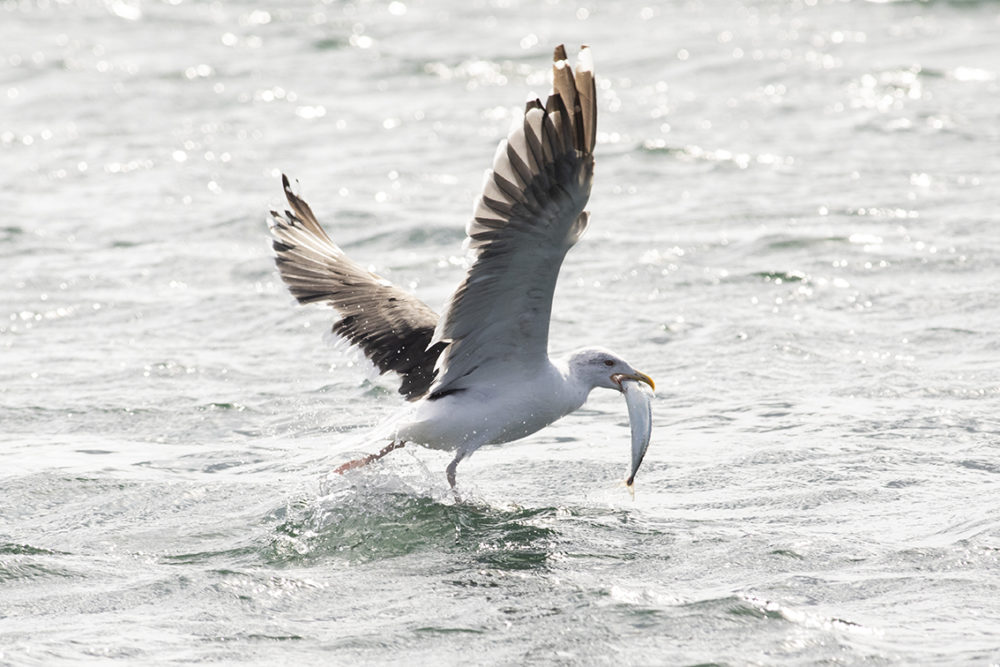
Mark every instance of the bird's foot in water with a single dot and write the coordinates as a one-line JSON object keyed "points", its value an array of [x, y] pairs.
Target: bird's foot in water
{"points": [[365, 460]]}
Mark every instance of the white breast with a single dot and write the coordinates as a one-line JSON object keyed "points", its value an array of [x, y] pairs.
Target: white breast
{"points": [[508, 409]]}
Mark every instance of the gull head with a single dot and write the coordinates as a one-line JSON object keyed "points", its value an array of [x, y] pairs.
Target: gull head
{"points": [[601, 368]]}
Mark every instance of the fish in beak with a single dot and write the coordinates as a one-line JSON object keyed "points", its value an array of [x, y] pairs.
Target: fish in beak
{"points": [[640, 417]]}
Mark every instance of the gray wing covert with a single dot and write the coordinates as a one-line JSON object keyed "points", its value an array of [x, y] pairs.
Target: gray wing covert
{"points": [[529, 215]]}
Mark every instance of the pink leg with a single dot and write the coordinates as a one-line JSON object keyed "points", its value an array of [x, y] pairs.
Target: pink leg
{"points": [[452, 466], [365, 460]]}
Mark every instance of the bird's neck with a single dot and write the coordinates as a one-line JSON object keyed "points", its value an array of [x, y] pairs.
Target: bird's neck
{"points": [[576, 388]]}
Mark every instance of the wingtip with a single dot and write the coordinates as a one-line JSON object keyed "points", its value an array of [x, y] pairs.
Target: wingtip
{"points": [[286, 187], [584, 60], [293, 199]]}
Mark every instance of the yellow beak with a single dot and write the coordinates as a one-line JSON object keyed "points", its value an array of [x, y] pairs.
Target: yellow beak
{"points": [[637, 376]]}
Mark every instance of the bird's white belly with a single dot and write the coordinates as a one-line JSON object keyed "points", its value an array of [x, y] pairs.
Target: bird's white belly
{"points": [[472, 418]]}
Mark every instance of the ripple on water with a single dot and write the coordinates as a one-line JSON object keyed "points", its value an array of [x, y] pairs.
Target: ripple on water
{"points": [[19, 562], [376, 522]]}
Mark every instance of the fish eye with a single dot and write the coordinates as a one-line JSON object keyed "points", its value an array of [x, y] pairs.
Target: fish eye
{"points": [[609, 362]]}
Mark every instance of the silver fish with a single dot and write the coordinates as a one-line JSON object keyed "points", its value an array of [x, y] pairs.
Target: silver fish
{"points": [[639, 397]]}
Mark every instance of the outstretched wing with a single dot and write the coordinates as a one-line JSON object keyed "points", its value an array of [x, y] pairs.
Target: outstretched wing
{"points": [[392, 328], [530, 214]]}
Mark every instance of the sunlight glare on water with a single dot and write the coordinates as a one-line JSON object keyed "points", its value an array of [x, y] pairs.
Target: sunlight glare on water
{"points": [[793, 231]]}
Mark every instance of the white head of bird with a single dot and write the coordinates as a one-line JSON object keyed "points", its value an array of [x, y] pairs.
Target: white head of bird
{"points": [[597, 367]]}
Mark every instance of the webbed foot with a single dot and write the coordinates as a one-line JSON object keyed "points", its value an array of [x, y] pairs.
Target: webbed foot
{"points": [[365, 460]]}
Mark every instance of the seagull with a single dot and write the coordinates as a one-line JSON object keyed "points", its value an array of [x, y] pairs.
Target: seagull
{"points": [[480, 373]]}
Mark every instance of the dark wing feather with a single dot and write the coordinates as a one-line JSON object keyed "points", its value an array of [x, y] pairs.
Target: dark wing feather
{"points": [[392, 328], [530, 214]]}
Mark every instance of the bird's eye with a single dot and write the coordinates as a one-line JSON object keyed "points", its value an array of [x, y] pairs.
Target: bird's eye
{"points": [[608, 362]]}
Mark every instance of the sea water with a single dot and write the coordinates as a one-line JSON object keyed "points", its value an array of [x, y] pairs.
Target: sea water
{"points": [[794, 231]]}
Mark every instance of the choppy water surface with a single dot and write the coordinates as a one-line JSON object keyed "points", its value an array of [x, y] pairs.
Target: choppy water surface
{"points": [[794, 231]]}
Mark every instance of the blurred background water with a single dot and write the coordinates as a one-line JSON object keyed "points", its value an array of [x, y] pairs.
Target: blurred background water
{"points": [[794, 232]]}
